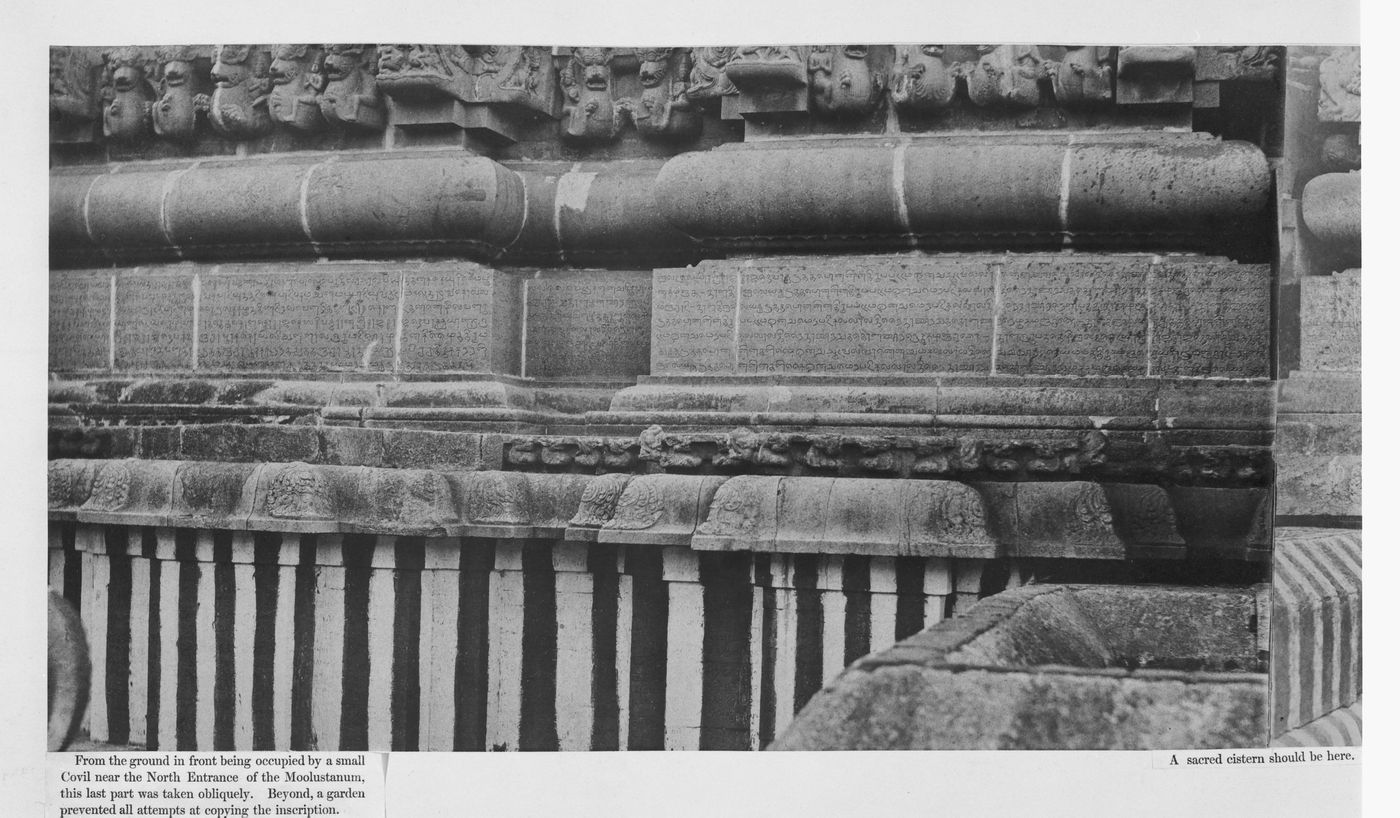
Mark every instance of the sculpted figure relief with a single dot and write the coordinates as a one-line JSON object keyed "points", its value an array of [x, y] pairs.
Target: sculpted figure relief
{"points": [[127, 94], [418, 69], [72, 97], [1084, 75], [707, 77], [238, 109], [590, 115], [351, 94], [844, 83], [760, 66], [1007, 75], [1339, 86], [923, 80], [296, 81], [176, 112], [664, 108]]}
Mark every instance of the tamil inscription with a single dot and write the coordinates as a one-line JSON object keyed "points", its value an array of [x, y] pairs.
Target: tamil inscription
{"points": [[80, 315], [589, 323], [1072, 316], [692, 321], [322, 318], [154, 320], [460, 318], [1210, 318]]}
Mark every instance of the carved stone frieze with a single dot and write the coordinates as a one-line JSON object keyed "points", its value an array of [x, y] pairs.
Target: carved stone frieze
{"points": [[923, 79], [351, 93], [707, 76], [127, 93], [1006, 75], [848, 80], [184, 93], [296, 82], [238, 108], [416, 71], [299, 491], [73, 95], [1226, 63], [664, 111], [1084, 75], [768, 78], [1339, 86], [590, 113]]}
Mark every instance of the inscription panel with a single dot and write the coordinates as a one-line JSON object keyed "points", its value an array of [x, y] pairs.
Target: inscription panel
{"points": [[80, 312], [1073, 316], [332, 318], [154, 325], [692, 322], [927, 315], [1210, 318], [592, 323], [460, 318], [1331, 322]]}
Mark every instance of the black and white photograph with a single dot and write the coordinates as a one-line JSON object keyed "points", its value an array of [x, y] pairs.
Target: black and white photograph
{"points": [[409, 398]]}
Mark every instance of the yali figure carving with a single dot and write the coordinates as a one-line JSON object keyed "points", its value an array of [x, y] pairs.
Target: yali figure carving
{"points": [[127, 94], [1007, 75], [923, 80], [664, 109], [843, 81], [590, 115], [238, 109], [351, 94], [296, 82], [1084, 75], [176, 112]]}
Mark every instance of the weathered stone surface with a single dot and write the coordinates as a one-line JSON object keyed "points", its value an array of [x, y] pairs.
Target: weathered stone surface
{"points": [[213, 494], [1210, 318], [515, 504], [1177, 628], [1319, 485], [80, 316], [660, 509], [1144, 518], [596, 506], [589, 323], [1073, 316], [1048, 666], [847, 516], [371, 204], [1218, 521], [130, 492], [1330, 318], [1069, 519], [784, 195], [413, 449], [1332, 208]]}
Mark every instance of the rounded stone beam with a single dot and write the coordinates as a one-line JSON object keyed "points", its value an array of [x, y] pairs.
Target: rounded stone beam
{"points": [[287, 206], [363, 205], [1332, 209], [1173, 191]]}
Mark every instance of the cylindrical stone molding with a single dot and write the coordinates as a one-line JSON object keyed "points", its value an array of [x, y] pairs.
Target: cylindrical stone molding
{"points": [[1173, 191], [287, 206], [1332, 209]]}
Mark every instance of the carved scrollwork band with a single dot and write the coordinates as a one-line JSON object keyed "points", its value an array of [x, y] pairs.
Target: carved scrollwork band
{"points": [[247, 92]]}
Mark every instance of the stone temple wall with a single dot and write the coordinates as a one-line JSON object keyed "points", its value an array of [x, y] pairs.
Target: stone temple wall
{"points": [[510, 397]]}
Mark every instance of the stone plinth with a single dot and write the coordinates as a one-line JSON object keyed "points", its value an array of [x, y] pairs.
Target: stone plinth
{"points": [[1038, 314]]}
